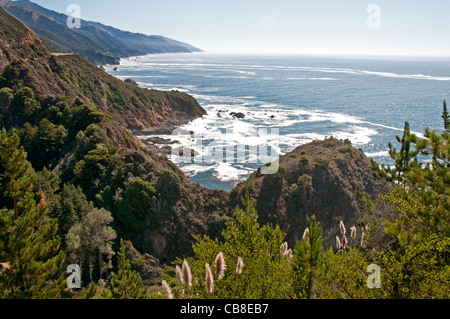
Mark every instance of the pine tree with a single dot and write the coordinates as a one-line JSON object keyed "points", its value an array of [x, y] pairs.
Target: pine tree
{"points": [[127, 283], [28, 241], [306, 257], [18, 173], [405, 159], [446, 117], [410, 237]]}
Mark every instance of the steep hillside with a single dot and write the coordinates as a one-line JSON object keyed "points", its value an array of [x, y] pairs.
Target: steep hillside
{"points": [[17, 41], [318, 178], [66, 77], [96, 42]]}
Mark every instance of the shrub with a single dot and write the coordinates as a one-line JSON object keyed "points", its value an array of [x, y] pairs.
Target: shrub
{"points": [[24, 101], [6, 96], [169, 185], [304, 160]]}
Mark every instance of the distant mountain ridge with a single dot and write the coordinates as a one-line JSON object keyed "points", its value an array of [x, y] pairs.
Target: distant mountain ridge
{"points": [[98, 43]]}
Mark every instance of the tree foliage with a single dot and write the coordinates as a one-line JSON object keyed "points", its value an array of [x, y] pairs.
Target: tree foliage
{"points": [[307, 257], [28, 240], [90, 240], [266, 272], [126, 283]]}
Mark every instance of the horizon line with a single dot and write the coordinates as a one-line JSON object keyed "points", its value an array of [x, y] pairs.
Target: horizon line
{"points": [[318, 53]]}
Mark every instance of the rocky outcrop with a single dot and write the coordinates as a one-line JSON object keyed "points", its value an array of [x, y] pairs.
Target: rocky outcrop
{"points": [[318, 178]]}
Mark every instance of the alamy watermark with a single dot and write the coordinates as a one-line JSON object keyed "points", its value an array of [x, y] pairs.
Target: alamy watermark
{"points": [[374, 19], [374, 278], [74, 280], [74, 18]]}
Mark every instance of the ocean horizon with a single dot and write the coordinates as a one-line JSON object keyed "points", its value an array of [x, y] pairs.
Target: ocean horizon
{"points": [[363, 99]]}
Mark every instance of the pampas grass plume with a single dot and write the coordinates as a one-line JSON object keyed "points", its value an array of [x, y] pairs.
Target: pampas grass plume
{"points": [[284, 248], [178, 274], [209, 281], [220, 266], [187, 276], [239, 266], [362, 238], [342, 227], [306, 234], [167, 290], [344, 241], [353, 232]]}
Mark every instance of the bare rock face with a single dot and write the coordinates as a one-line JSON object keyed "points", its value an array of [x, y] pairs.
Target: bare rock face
{"points": [[158, 243], [318, 178]]}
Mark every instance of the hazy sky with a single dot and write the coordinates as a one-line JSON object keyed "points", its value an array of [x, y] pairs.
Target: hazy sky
{"points": [[402, 27]]}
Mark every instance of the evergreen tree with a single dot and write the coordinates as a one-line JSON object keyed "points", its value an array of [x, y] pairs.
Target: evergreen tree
{"points": [[446, 117], [25, 102], [306, 257], [18, 173], [28, 241], [70, 207], [46, 143], [126, 283], [405, 159], [410, 237]]}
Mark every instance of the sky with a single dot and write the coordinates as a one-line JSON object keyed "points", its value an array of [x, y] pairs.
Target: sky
{"points": [[380, 27]]}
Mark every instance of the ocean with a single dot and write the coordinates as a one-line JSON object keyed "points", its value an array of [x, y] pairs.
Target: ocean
{"points": [[281, 102]]}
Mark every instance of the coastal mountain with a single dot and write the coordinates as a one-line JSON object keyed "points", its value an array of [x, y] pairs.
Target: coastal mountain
{"points": [[78, 125], [54, 76], [98, 43]]}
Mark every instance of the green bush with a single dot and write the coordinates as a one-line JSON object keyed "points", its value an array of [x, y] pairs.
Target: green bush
{"points": [[304, 160], [322, 161], [24, 101], [169, 185], [6, 96], [134, 208]]}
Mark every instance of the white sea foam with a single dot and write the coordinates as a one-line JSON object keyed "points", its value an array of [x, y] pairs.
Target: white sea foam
{"points": [[378, 154], [313, 79]]}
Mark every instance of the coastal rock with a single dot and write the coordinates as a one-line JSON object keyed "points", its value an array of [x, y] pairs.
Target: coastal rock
{"points": [[237, 115], [132, 82], [159, 140]]}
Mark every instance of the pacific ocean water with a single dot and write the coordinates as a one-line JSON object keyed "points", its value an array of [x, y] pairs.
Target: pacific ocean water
{"points": [[364, 99]]}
